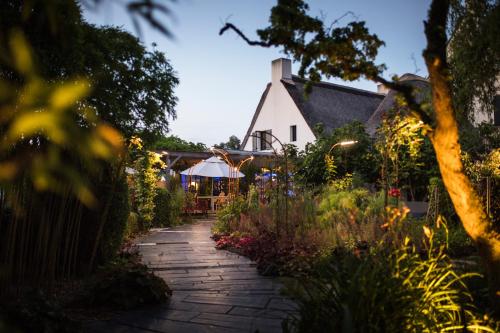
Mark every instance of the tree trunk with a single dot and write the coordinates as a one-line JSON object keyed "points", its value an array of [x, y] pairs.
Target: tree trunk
{"points": [[447, 147]]}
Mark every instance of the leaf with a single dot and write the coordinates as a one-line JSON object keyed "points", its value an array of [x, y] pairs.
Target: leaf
{"points": [[68, 94], [427, 231], [111, 135], [33, 122], [21, 53]]}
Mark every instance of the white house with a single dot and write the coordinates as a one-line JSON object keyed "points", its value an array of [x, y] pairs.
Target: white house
{"points": [[286, 113]]}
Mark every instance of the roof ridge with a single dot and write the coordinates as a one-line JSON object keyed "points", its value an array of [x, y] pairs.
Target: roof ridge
{"points": [[412, 77], [338, 86]]}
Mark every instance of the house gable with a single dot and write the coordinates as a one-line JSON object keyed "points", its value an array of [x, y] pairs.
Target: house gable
{"points": [[278, 112], [289, 114]]}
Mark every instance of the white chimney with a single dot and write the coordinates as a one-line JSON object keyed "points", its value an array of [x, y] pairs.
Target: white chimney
{"points": [[381, 89], [281, 69]]}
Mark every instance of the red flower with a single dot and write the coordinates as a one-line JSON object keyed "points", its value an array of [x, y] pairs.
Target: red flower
{"points": [[395, 192]]}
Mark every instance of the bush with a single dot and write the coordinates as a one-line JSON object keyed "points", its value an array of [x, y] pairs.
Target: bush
{"points": [[132, 227], [116, 223], [113, 197], [162, 210], [229, 215], [35, 312], [168, 207], [386, 291], [351, 217], [124, 283]]}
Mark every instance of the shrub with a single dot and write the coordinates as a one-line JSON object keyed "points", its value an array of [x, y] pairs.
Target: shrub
{"points": [[229, 215], [161, 211], [168, 207], [395, 291], [351, 217], [124, 283], [115, 226], [35, 312], [114, 205], [132, 225]]}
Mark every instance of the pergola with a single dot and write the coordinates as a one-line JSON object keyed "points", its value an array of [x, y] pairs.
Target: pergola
{"points": [[171, 158], [174, 159]]}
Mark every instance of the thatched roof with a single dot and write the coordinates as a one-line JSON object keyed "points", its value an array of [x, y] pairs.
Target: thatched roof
{"points": [[421, 86], [331, 104], [336, 105]]}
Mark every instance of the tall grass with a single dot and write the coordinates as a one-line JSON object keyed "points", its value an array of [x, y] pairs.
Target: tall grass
{"points": [[48, 237], [387, 291], [39, 236]]}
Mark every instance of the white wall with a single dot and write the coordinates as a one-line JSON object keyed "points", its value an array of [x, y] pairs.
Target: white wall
{"points": [[279, 112]]}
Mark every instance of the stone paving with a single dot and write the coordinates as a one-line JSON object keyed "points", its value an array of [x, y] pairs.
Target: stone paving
{"points": [[213, 290]]}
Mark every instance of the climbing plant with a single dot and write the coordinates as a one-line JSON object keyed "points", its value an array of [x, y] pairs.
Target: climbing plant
{"points": [[147, 165]]}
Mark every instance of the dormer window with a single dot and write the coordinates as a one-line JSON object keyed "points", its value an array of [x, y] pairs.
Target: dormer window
{"points": [[262, 140]]}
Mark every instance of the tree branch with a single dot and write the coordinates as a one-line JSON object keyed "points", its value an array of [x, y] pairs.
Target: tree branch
{"points": [[230, 26], [407, 92]]}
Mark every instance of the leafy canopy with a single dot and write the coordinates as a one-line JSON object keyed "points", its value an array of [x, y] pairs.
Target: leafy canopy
{"points": [[174, 143]]}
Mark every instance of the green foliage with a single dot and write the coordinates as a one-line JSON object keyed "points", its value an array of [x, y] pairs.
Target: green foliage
{"points": [[352, 218], [115, 226], [345, 52], [174, 143], [253, 199], [320, 163], [229, 215], [397, 291], [147, 165], [35, 312], [124, 283], [133, 226], [473, 55], [408, 160], [354, 206], [233, 143], [477, 141], [145, 188], [133, 87], [168, 207], [47, 134]]}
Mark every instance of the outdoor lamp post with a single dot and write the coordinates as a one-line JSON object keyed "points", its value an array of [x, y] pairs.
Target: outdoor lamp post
{"points": [[329, 159], [342, 143]]}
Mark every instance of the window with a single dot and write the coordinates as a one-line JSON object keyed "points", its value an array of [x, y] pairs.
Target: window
{"points": [[496, 110], [293, 133], [262, 140]]}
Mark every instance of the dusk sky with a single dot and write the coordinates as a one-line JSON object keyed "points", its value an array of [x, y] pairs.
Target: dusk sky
{"points": [[222, 78]]}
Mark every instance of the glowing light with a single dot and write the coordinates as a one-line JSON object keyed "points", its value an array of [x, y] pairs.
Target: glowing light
{"points": [[347, 143]]}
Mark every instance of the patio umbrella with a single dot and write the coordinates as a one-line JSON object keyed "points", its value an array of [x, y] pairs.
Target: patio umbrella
{"points": [[212, 167]]}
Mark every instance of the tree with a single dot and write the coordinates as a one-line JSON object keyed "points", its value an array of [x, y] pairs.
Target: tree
{"points": [[133, 89], [474, 26], [359, 158], [174, 143], [349, 53], [233, 143]]}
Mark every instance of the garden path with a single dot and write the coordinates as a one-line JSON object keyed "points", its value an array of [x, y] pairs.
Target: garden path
{"points": [[213, 290]]}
